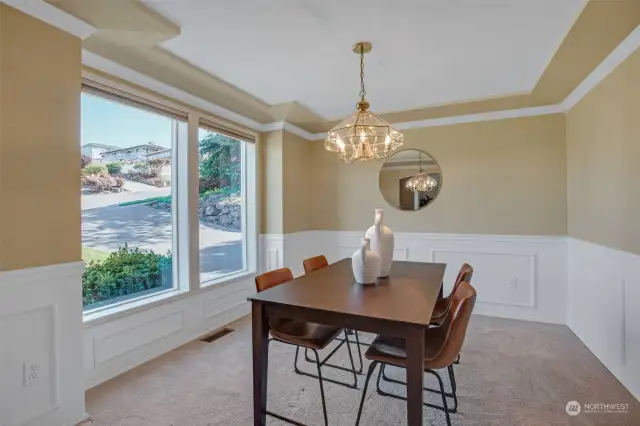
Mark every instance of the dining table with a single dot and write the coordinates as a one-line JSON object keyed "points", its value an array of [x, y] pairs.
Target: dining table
{"points": [[399, 305]]}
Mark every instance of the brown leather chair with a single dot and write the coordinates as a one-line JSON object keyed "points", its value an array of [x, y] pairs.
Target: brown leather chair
{"points": [[441, 347], [442, 306], [303, 334], [314, 263]]}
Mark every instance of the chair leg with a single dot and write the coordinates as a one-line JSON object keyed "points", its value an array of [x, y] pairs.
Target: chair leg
{"points": [[324, 402], [372, 367], [383, 377], [324, 363], [444, 398], [338, 367], [452, 379]]}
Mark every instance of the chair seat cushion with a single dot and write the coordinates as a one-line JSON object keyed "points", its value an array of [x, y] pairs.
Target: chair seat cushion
{"points": [[306, 334], [393, 350]]}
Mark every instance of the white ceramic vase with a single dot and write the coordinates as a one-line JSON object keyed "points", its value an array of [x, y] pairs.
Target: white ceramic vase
{"points": [[382, 242], [365, 263]]}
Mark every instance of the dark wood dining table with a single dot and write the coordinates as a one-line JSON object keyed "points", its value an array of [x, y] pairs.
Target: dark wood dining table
{"points": [[399, 305]]}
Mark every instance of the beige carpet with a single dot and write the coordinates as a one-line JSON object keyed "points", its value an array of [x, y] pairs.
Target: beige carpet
{"points": [[511, 373]]}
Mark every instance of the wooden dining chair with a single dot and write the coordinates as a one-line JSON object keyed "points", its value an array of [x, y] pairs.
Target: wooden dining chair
{"points": [[308, 335], [313, 264], [441, 347]]}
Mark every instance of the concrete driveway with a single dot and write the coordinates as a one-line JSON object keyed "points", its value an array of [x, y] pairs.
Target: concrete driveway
{"points": [[108, 226]]}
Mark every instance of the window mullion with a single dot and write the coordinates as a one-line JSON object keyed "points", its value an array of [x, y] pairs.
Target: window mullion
{"points": [[186, 237]]}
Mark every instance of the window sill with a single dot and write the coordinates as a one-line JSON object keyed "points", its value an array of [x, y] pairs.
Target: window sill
{"points": [[132, 306], [226, 279]]}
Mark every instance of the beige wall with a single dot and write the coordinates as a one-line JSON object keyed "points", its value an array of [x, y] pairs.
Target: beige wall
{"points": [[285, 183], [389, 185], [271, 184], [39, 143], [499, 177], [603, 161], [296, 183]]}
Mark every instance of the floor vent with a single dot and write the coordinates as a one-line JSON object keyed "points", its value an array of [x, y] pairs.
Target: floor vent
{"points": [[216, 335]]}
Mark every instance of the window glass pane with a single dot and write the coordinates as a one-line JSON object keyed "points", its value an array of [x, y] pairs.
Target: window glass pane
{"points": [[127, 230], [221, 205]]}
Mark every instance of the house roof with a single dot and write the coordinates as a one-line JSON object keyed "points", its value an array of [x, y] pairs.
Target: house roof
{"points": [[158, 152], [99, 145], [149, 145]]}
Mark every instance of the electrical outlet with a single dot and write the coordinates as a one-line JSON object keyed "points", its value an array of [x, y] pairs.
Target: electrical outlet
{"points": [[31, 373], [513, 284]]}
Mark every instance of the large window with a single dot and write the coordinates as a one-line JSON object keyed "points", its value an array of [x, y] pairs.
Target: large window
{"points": [[150, 222], [220, 205], [127, 228]]}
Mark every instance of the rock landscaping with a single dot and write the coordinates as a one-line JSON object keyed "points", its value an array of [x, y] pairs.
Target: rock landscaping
{"points": [[218, 209]]}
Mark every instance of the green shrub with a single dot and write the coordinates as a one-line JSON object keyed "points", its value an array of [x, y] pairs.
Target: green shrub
{"points": [[124, 272], [114, 168], [95, 169]]}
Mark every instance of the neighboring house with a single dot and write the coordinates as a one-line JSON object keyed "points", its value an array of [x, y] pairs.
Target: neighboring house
{"points": [[95, 150], [165, 153], [138, 152]]}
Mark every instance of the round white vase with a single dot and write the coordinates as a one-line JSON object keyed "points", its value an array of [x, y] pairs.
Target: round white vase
{"points": [[382, 242], [365, 263]]}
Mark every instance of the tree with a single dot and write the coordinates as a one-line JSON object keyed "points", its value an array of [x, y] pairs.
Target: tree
{"points": [[85, 160], [220, 161]]}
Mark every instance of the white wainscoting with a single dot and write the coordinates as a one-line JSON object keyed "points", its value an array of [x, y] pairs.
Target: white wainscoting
{"points": [[604, 307], [523, 277], [270, 252], [113, 346], [41, 324]]}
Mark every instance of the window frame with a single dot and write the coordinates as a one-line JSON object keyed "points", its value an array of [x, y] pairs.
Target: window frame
{"points": [[185, 220]]}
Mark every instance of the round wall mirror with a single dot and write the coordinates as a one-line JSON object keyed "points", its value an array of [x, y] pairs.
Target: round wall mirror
{"points": [[410, 179]]}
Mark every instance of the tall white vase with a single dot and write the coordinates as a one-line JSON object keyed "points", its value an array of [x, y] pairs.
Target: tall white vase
{"points": [[382, 242], [365, 263]]}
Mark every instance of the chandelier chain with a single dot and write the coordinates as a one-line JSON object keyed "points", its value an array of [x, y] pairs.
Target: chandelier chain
{"points": [[363, 92]]}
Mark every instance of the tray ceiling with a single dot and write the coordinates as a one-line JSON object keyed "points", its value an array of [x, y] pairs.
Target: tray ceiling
{"points": [[425, 53]]}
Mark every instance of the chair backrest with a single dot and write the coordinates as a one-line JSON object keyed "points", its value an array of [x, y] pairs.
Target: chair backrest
{"points": [[465, 274], [452, 332], [272, 279], [314, 263]]}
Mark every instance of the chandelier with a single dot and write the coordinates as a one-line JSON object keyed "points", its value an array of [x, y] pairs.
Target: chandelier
{"points": [[421, 182], [363, 135]]}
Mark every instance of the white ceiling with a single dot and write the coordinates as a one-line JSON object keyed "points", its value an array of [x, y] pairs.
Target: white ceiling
{"points": [[425, 52]]}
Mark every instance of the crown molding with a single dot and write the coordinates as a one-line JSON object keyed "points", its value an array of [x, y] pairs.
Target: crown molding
{"points": [[470, 118], [115, 69], [628, 46], [53, 16]]}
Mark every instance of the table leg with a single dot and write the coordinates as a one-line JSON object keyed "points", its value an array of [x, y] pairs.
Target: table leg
{"points": [[415, 370], [260, 337]]}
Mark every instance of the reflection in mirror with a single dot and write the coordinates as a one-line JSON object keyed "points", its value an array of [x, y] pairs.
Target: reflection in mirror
{"points": [[410, 179]]}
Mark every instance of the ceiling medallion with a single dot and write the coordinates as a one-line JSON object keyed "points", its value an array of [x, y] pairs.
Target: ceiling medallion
{"points": [[421, 182], [363, 135]]}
